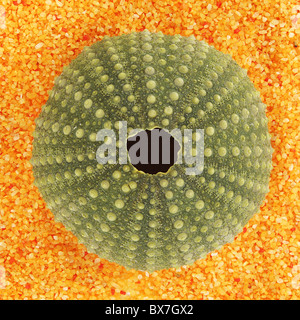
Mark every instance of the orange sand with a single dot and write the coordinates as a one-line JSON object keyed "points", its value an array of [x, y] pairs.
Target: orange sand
{"points": [[39, 259]]}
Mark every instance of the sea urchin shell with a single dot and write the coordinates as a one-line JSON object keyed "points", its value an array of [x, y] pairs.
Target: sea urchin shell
{"points": [[167, 219]]}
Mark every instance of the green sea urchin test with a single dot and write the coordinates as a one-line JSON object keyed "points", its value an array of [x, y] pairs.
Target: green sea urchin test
{"points": [[141, 219]]}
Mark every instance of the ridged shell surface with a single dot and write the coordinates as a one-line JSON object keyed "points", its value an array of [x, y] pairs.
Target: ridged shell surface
{"points": [[153, 221]]}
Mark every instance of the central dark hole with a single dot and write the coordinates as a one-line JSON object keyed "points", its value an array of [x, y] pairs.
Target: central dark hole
{"points": [[152, 151]]}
